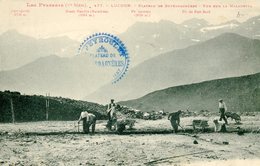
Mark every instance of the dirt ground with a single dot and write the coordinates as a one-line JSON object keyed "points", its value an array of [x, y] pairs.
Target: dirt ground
{"points": [[58, 143]]}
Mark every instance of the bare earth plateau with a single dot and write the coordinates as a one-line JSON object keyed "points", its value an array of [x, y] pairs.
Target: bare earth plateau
{"points": [[59, 143]]}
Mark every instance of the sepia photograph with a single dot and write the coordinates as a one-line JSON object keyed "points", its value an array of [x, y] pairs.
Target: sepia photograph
{"points": [[140, 82]]}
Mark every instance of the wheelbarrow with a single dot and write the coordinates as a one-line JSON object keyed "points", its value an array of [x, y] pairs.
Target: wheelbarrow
{"points": [[200, 124]]}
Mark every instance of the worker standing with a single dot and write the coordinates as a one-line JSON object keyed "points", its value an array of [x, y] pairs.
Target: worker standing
{"points": [[110, 108], [222, 109], [110, 113]]}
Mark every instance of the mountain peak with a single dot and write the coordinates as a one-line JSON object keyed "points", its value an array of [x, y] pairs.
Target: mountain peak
{"points": [[14, 35], [256, 18], [52, 56], [232, 22], [229, 37], [11, 33], [166, 22]]}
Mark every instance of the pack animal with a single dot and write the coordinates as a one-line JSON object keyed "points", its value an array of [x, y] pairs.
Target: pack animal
{"points": [[234, 116]]}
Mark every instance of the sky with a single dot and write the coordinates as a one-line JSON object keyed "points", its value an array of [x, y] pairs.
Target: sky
{"points": [[44, 22]]}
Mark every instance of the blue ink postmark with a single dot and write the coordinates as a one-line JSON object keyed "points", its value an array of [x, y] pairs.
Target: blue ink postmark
{"points": [[106, 51]]}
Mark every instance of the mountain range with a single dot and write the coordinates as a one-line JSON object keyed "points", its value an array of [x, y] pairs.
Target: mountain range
{"points": [[148, 39], [162, 54], [241, 94], [227, 55], [17, 49], [143, 40]]}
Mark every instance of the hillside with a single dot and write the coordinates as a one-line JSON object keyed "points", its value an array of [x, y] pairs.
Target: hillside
{"points": [[241, 94], [33, 108], [228, 55], [61, 76]]}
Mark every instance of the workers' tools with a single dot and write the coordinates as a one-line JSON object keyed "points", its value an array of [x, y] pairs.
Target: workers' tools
{"points": [[182, 128], [77, 125]]}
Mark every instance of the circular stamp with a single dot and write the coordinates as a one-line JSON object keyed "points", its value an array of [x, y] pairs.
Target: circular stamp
{"points": [[106, 51]]}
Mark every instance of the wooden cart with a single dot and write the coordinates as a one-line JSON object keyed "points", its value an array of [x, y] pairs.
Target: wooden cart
{"points": [[200, 124]]}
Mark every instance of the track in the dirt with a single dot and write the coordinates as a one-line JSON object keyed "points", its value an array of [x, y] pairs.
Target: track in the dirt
{"points": [[126, 132]]}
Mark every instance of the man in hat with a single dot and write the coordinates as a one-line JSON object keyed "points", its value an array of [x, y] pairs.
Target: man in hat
{"points": [[222, 108], [110, 112], [175, 120], [88, 120], [111, 106]]}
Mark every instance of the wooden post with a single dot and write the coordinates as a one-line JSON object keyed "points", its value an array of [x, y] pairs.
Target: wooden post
{"points": [[12, 110], [47, 112], [47, 106]]}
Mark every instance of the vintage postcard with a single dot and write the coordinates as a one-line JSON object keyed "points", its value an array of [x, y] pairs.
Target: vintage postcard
{"points": [[138, 82]]}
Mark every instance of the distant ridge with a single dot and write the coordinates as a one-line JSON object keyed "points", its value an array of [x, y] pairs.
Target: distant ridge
{"points": [[241, 94], [228, 55]]}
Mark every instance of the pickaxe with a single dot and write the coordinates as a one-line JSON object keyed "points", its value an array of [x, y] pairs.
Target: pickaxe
{"points": [[182, 128]]}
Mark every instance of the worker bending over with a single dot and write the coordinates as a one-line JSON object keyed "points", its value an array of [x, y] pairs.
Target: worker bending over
{"points": [[175, 120], [88, 120]]}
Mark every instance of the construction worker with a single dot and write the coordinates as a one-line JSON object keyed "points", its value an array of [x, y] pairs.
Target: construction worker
{"points": [[222, 108], [175, 120], [111, 106], [88, 120], [110, 113]]}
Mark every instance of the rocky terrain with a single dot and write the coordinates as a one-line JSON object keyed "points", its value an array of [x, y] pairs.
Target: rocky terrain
{"points": [[58, 143]]}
